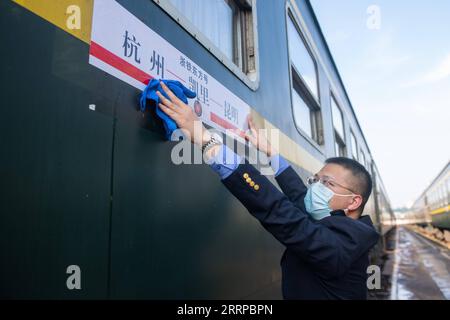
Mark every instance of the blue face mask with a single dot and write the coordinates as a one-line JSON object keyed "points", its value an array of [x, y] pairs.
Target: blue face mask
{"points": [[316, 201]]}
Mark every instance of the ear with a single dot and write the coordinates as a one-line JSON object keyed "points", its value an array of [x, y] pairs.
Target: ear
{"points": [[355, 203]]}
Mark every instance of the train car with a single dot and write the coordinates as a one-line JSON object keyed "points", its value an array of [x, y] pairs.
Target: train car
{"points": [[88, 182], [433, 205], [384, 212]]}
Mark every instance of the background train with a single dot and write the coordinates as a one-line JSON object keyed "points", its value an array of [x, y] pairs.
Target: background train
{"points": [[87, 179], [433, 205]]}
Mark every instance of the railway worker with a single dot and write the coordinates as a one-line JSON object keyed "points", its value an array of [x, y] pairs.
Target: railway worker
{"points": [[325, 258]]}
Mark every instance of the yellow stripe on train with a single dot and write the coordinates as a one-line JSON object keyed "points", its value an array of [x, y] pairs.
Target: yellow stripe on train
{"points": [[73, 16], [441, 210]]}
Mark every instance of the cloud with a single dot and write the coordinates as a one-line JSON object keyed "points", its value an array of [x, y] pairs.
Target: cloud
{"points": [[438, 73]]}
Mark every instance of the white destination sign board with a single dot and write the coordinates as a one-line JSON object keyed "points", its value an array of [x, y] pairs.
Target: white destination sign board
{"points": [[126, 48]]}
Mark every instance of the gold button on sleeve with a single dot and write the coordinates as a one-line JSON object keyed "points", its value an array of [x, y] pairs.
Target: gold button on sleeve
{"points": [[256, 187], [245, 175]]}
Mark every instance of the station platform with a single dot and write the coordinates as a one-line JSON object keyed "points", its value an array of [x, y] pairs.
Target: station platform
{"points": [[421, 268]]}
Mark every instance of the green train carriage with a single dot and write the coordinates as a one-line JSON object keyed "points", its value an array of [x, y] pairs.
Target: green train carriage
{"points": [[87, 180]]}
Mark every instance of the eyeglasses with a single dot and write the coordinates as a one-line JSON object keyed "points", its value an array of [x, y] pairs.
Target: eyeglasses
{"points": [[327, 181]]}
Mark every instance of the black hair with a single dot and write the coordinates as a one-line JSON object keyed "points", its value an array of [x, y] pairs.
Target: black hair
{"points": [[364, 180]]}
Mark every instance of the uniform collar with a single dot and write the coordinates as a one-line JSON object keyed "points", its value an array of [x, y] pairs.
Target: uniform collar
{"points": [[337, 213], [364, 218]]}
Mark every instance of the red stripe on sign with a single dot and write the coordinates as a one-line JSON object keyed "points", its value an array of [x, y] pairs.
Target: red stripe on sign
{"points": [[224, 123], [120, 64]]}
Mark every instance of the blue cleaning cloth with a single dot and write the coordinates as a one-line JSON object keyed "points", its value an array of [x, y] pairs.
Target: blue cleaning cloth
{"points": [[177, 88]]}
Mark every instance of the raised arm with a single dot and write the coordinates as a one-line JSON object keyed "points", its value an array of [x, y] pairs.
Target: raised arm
{"points": [[331, 250], [292, 186], [288, 180]]}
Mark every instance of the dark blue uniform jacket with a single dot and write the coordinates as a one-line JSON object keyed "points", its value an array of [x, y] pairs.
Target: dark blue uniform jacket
{"points": [[327, 259]]}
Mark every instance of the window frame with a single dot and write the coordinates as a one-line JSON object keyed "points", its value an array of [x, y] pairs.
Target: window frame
{"points": [[316, 100], [298, 84], [311, 118], [369, 164], [337, 138], [362, 157], [342, 146], [353, 140], [297, 89], [251, 79], [448, 188]]}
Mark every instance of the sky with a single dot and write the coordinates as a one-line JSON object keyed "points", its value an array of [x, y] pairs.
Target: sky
{"points": [[394, 60]]}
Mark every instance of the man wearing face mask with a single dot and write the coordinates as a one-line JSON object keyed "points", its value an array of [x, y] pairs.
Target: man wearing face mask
{"points": [[326, 237]]}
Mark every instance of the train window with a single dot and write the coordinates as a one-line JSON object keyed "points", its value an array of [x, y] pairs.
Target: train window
{"points": [[444, 194], [302, 59], [305, 89], [448, 189], [307, 115], [225, 27], [354, 145], [438, 196], [362, 158], [214, 19], [338, 122], [432, 201], [302, 113], [340, 147], [338, 125], [435, 198]]}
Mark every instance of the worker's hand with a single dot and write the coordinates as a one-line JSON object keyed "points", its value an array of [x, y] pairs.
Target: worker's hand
{"points": [[184, 116], [259, 139]]}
